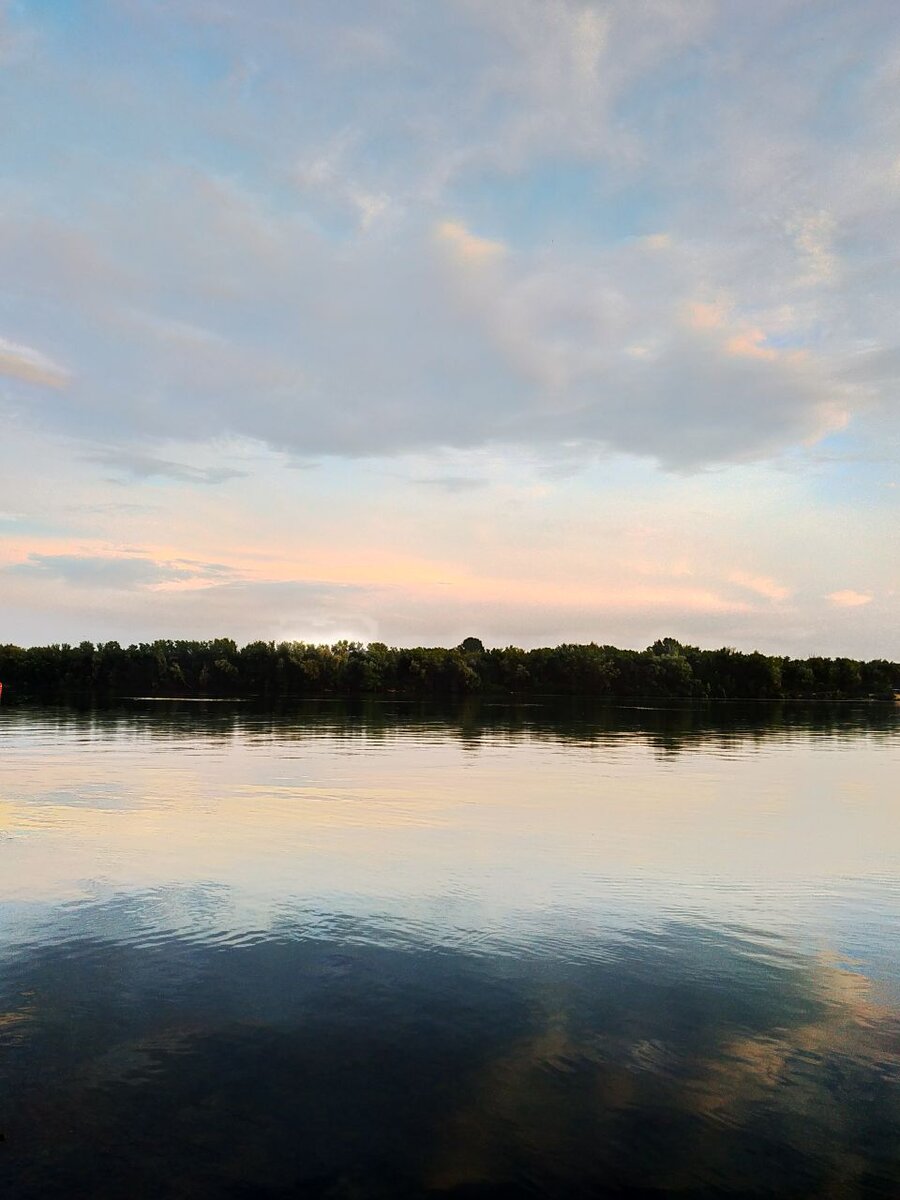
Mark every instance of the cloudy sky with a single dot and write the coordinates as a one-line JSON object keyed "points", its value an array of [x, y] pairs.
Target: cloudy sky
{"points": [[401, 320]]}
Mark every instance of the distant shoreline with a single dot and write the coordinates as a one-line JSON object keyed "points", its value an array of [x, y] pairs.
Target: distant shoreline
{"points": [[219, 669]]}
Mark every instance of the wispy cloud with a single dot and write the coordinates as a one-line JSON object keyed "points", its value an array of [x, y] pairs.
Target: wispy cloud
{"points": [[22, 362], [120, 571], [763, 585], [148, 466], [848, 598], [326, 179], [452, 483], [814, 235], [468, 246]]}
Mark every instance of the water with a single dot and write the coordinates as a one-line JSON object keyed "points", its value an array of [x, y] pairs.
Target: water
{"points": [[382, 951]]}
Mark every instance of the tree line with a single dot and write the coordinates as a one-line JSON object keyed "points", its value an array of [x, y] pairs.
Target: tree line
{"points": [[219, 667]]}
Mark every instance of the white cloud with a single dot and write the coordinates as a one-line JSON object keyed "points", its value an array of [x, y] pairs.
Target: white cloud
{"points": [[194, 301], [274, 332]]}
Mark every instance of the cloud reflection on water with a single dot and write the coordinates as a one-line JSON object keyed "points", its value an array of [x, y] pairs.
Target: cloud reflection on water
{"points": [[332, 1062]]}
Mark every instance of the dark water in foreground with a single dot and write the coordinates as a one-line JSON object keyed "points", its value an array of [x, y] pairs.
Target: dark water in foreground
{"points": [[385, 952]]}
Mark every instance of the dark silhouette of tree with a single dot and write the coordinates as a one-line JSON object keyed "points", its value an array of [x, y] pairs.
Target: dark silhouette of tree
{"points": [[667, 669]]}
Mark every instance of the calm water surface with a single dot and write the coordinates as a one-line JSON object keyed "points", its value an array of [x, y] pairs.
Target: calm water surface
{"points": [[381, 951]]}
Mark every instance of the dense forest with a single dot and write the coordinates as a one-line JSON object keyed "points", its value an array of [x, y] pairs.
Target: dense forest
{"points": [[275, 669]]}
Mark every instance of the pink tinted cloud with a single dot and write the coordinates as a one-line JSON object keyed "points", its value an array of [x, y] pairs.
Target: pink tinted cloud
{"points": [[22, 362], [763, 585], [848, 598]]}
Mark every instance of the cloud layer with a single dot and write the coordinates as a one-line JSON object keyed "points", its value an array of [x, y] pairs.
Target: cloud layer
{"points": [[351, 248], [583, 312]]}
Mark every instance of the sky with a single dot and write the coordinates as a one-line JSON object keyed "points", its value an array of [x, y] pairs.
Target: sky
{"points": [[533, 320]]}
